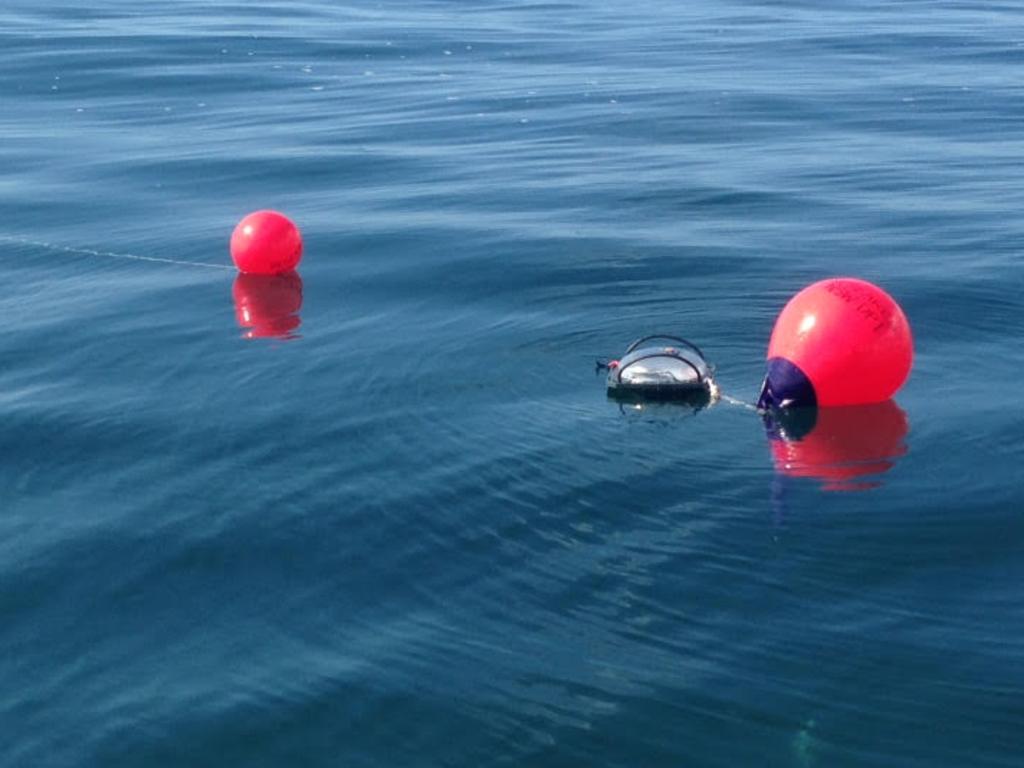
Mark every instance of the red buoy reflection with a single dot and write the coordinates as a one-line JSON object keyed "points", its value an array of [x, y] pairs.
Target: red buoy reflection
{"points": [[268, 306], [842, 447]]}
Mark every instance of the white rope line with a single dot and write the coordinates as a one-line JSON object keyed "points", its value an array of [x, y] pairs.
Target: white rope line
{"points": [[107, 254], [741, 403], [718, 396]]}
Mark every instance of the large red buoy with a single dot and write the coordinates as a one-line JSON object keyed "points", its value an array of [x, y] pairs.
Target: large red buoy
{"points": [[267, 306], [840, 341], [266, 243]]}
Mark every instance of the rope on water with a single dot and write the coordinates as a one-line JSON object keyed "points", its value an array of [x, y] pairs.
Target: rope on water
{"points": [[107, 254], [718, 396]]}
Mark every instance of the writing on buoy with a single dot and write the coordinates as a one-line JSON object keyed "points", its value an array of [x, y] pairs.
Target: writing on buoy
{"points": [[266, 243], [840, 341]]}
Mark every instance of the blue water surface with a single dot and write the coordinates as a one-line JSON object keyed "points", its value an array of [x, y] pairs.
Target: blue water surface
{"points": [[383, 513]]}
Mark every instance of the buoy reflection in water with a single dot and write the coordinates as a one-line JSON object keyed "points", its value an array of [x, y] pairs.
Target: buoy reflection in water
{"points": [[268, 306], [842, 447]]}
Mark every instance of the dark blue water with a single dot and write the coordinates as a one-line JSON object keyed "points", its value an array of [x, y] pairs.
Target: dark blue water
{"points": [[391, 518]]}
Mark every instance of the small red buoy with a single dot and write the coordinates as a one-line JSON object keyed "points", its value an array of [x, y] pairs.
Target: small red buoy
{"points": [[840, 341], [266, 243]]}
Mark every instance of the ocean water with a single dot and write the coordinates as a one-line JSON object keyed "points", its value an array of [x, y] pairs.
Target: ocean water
{"points": [[382, 513]]}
